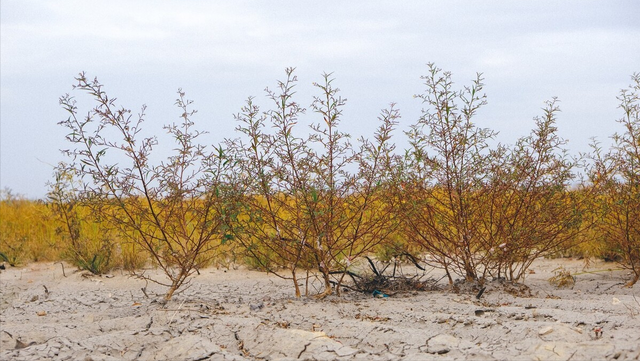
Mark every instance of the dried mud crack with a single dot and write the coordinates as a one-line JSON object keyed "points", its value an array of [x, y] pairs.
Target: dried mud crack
{"points": [[245, 315]]}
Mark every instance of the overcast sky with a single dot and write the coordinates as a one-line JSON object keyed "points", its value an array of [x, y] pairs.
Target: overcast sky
{"points": [[221, 52]]}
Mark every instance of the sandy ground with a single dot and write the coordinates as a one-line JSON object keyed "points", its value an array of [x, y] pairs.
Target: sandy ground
{"points": [[247, 315]]}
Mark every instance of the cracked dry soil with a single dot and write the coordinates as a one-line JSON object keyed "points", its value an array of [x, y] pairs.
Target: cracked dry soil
{"points": [[248, 315]]}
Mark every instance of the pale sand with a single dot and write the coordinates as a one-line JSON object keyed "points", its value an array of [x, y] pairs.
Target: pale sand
{"points": [[248, 315]]}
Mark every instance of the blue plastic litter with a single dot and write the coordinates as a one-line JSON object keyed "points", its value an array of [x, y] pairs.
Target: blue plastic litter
{"points": [[379, 294]]}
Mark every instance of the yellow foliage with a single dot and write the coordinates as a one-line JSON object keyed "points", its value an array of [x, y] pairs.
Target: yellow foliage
{"points": [[27, 232]]}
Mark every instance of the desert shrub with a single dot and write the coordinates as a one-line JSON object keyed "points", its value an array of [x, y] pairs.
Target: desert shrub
{"points": [[313, 202], [616, 176], [175, 210], [479, 210], [88, 244], [446, 168], [529, 209], [25, 231]]}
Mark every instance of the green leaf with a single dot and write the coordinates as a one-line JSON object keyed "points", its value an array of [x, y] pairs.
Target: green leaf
{"points": [[226, 238]]}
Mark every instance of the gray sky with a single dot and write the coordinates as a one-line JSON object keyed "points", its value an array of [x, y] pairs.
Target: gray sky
{"points": [[221, 52]]}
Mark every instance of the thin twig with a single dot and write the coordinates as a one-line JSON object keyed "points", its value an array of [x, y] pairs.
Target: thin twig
{"points": [[373, 266], [413, 260], [63, 273]]}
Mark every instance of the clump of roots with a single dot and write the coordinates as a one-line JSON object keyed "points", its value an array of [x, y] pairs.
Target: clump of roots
{"points": [[389, 280], [562, 278]]}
